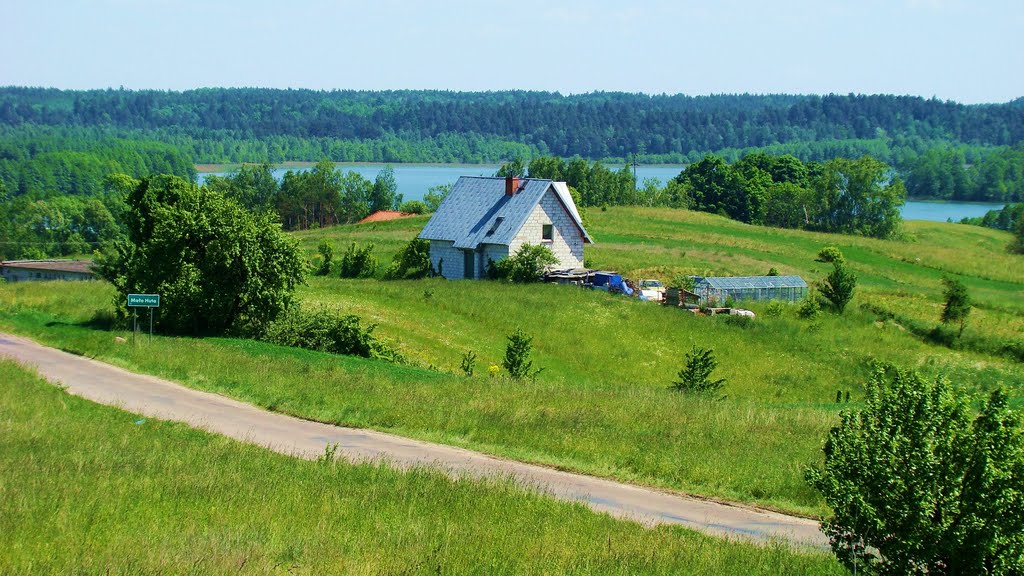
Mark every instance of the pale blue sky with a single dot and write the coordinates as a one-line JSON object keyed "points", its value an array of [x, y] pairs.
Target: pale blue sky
{"points": [[952, 49]]}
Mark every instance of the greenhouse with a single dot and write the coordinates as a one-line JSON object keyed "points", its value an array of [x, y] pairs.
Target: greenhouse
{"points": [[716, 290]]}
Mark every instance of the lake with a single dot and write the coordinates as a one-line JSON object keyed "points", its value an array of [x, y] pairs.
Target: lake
{"points": [[414, 180]]}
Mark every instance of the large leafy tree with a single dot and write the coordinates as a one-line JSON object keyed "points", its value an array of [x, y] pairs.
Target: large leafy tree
{"points": [[859, 197], [218, 267], [919, 487]]}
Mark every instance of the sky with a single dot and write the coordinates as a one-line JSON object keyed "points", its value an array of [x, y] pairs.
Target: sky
{"points": [[967, 51]]}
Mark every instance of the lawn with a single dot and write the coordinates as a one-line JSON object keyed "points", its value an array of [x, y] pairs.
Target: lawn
{"points": [[89, 489], [602, 403]]}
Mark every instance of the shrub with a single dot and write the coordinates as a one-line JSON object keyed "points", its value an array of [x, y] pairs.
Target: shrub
{"points": [[468, 363], [327, 331], [695, 377], [413, 262], [919, 487], [526, 265], [958, 304], [413, 207], [810, 307], [358, 262], [773, 309], [773, 271], [517, 360], [838, 286], [326, 255], [831, 254]]}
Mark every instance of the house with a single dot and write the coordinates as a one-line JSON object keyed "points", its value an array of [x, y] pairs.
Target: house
{"points": [[719, 289], [20, 270], [483, 220]]}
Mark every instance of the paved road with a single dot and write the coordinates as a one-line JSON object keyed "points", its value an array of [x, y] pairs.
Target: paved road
{"points": [[159, 398]]}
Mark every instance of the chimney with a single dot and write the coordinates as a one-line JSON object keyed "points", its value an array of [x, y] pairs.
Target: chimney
{"points": [[511, 185]]}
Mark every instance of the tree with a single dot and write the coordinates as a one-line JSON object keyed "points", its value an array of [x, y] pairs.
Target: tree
{"points": [[838, 286], [517, 360], [435, 195], [514, 168], [858, 197], [696, 375], [917, 487], [958, 303], [384, 191], [218, 267], [1018, 244]]}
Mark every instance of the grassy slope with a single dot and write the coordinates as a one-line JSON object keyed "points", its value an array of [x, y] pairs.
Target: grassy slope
{"points": [[143, 496], [601, 405]]}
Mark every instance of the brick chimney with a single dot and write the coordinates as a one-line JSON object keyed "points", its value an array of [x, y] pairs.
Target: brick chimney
{"points": [[511, 185]]}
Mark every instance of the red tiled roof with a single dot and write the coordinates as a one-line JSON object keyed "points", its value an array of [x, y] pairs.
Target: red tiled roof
{"points": [[382, 215], [79, 266]]}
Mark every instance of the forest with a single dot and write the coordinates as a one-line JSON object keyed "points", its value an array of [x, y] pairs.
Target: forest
{"points": [[267, 125]]}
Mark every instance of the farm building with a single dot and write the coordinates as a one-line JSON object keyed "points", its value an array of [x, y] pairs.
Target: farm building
{"points": [[486, 219], [721, 288], [21, 270]]}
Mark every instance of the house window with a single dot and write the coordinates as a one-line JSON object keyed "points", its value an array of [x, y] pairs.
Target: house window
{"points": [[548, 232]]}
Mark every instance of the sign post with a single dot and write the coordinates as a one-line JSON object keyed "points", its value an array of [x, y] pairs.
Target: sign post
{"points": [[143, 301]]}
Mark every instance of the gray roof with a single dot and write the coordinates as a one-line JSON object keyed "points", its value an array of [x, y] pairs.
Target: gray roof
{"points": [[477, 211], [738, 282]]}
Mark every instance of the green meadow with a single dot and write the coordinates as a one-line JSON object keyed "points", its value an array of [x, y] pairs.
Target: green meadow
{"points": [[602, 404], [89, 489]]}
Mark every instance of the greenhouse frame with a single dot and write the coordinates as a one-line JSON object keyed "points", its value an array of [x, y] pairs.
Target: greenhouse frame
{"points": [[719, 289]]}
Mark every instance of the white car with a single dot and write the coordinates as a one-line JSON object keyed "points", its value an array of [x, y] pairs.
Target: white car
{"points": [[652, 290]]}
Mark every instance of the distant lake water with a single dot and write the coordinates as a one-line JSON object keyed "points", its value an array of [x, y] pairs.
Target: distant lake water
{"points": [[413, 181]]}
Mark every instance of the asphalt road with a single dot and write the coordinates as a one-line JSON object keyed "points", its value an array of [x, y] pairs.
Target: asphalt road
{"points": [[157, 398]]}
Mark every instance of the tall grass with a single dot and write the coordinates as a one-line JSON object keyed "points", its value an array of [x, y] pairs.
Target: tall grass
{"points": [[602, 404], [90, 489]]}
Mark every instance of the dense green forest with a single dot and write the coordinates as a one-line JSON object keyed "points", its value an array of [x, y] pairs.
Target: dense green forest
{"points": [[841, 195], [268, 125]]}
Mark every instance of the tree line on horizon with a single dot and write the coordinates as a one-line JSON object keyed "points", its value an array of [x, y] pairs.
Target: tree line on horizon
{"points": [[256, 125]]}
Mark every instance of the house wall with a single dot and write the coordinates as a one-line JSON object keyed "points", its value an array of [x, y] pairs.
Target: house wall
{"points": [[446, 259], [566, 242], [12, 274]]}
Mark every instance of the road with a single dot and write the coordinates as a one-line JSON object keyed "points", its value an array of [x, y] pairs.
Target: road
{"points": [[157, 398]]}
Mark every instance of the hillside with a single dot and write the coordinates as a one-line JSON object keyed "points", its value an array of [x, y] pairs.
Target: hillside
{"points": [[254, 124], [602, 404]]}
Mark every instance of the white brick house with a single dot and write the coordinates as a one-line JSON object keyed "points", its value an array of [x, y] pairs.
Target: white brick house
{"points": [[487, 219]]}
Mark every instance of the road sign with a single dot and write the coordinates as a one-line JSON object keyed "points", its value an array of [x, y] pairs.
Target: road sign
{"points": [[144, 300]]}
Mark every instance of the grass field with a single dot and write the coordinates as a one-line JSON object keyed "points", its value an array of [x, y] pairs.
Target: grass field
{"points": [[602, 405], [88, 489]]}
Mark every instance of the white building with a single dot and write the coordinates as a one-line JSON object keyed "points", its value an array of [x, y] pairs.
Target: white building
{"points": [[484, 219]]}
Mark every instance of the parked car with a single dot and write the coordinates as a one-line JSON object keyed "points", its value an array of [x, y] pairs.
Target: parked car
{"points": [[652, 290]]}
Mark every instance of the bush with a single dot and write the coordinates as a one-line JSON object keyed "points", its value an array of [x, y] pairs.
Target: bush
{"points": [[326, 255], [517, 360], [832, 255], [919, 487], [327, 331], [412, 263], [358, 262], [810, 307], [958, 304], [695, 377], [525, 266], [774, 309], [468, 363], [413, 207]]}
